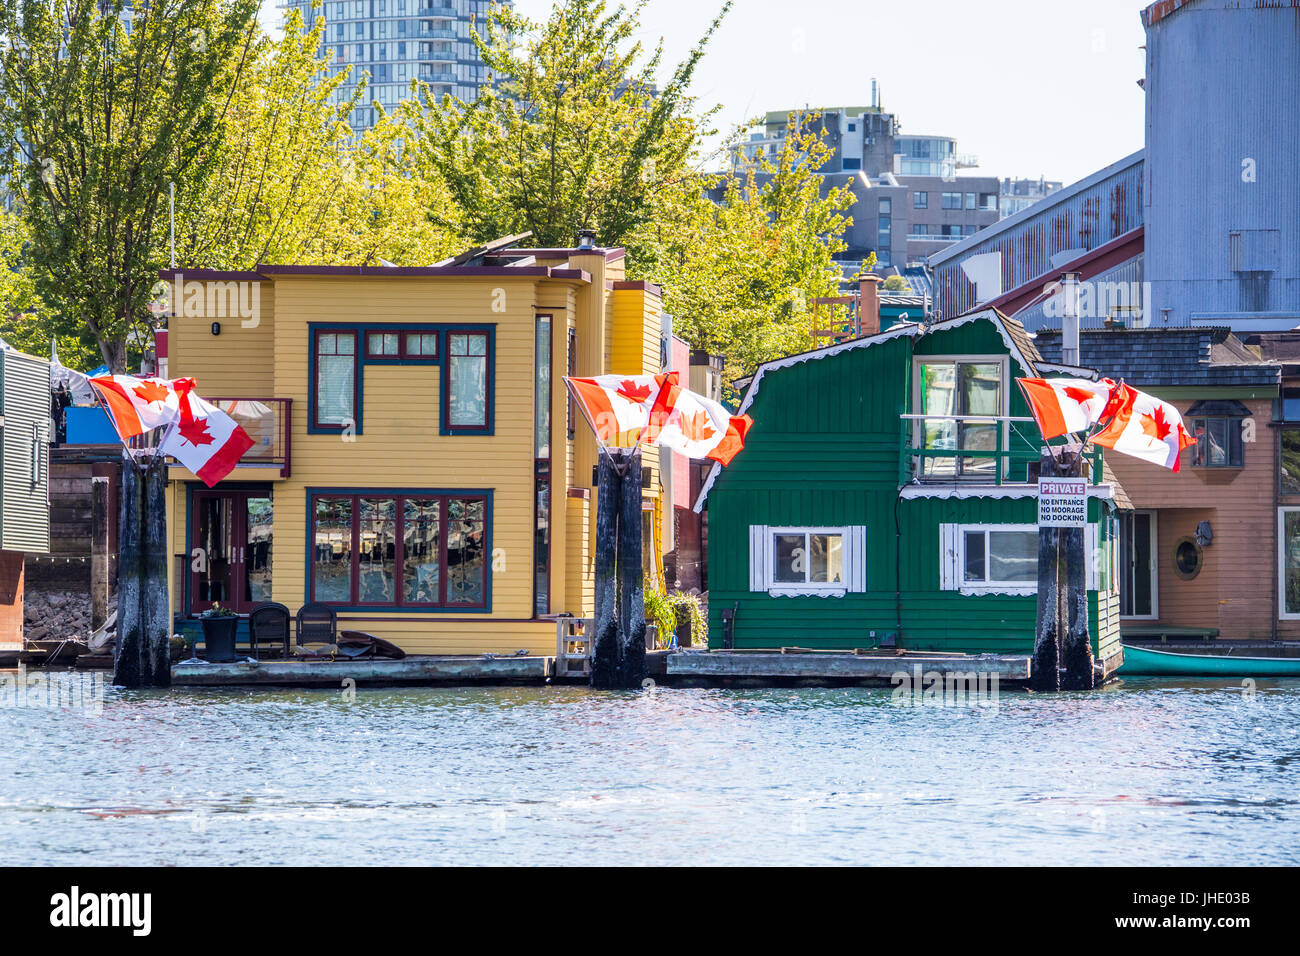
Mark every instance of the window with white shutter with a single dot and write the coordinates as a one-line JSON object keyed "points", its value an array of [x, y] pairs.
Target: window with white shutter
{"points": [[802, 561]]}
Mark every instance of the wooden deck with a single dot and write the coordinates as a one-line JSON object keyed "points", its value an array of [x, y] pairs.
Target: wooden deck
{"points": [[770, 667]]}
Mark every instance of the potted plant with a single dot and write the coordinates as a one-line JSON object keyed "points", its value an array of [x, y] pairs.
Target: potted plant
{"points": [[692, 625], [219, 627]]}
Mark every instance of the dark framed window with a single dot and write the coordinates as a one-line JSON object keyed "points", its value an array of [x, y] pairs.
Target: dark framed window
{"points": [[921, 200], [1289, 470], [1218, 442], [951, 200], [415, 551], [572, 360], [400, 344], [1288, 407], [467, 382], [334, 389]]}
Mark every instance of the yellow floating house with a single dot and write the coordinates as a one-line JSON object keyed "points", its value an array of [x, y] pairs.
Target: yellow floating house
{"points": [[417, 465]]}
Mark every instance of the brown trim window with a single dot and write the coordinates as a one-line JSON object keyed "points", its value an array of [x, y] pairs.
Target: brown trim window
{"points": [[417, 551], [467, 382], [334, 395], [401, 345], [1218, 442]]}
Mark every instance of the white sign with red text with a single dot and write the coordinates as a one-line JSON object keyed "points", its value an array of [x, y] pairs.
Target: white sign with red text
{"points": [[1062, 502]]}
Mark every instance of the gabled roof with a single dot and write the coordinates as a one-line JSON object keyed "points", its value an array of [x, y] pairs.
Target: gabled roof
{"points": [[1019, 343], [1151, 358]]}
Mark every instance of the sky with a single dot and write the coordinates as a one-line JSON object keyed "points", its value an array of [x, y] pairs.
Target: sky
{"points": [[1031, 87]]}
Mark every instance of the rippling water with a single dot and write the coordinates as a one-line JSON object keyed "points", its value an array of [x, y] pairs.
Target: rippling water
{"points": [[1147, 772]]}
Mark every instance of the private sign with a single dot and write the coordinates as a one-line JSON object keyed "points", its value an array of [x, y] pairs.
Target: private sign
{"points": [[1062, 502]]}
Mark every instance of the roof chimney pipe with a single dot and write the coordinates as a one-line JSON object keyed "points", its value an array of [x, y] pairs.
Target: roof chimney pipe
{"points": [[586, 238], [869, 304], [1070, 318]]}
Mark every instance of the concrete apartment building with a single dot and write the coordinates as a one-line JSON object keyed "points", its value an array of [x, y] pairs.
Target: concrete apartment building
{"points": [[908, 200], [397, 41], [1017, 194]]}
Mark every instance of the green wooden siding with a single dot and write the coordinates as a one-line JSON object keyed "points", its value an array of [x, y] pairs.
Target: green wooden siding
{"points": [[826, 450]]}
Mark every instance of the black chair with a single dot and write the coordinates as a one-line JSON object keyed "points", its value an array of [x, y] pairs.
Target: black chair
{"points": [[316, 624], [268, 624]]}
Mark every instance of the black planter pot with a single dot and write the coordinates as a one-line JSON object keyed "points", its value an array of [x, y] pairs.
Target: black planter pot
{"points": [[219, 638]]}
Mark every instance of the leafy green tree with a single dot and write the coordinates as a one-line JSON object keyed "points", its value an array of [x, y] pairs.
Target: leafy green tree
{"points": [[24, 319], [98, 116], [575, 135], [894, 284], [740, 274], [290, 183]]}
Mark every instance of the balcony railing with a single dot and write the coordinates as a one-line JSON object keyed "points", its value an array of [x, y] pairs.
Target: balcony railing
{"points": [[269, 423], [973, 448]]}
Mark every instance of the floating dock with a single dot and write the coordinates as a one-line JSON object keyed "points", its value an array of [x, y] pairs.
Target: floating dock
{"points": [[790, 667], [767, 668], [690, 668], [415, 670]]}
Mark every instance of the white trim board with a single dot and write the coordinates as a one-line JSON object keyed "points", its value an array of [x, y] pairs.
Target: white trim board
{"points": [[980, 490]]}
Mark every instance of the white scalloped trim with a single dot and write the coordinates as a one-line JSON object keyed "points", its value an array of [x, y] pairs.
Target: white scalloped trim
{"points": [[807, 592]]}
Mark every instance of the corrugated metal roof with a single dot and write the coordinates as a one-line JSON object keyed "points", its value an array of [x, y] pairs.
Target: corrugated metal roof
{"points": [[1082, 217]]}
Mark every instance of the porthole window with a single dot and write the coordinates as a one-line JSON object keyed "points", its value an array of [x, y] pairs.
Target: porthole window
{"points": [[1187, 558]]}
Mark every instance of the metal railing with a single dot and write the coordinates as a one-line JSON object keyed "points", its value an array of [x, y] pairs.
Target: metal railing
{"points": [[269, 422], [1024, 448]]}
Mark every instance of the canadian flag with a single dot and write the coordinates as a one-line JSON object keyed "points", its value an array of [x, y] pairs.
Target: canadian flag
{"points": [[205, 440], [1147, 428], [137, 405], [1062, 405], [695, 426], [618, 407]]}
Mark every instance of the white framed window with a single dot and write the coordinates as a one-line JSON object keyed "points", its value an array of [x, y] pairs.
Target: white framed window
{"points": [[1003, 558], [967, 395], [801, 561]]}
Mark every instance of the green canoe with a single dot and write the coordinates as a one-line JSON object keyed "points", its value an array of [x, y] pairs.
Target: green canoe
{"points": [[1145, 662]]}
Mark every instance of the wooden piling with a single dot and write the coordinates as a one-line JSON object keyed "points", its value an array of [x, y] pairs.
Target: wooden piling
{"points": [[631, 597], [605, 656], [128, 647], [98, 552], [1075, 659], [1062, 658], [155, 606]]}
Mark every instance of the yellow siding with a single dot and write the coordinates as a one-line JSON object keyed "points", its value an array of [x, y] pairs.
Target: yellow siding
{"points": [[580, 592], [399, 445], [238, 363]]}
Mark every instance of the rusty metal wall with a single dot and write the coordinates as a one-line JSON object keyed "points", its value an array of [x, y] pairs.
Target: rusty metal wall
{"points": [[1083, 216]]}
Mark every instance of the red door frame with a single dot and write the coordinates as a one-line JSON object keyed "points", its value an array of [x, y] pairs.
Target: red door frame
{"points": [[238, 544]]}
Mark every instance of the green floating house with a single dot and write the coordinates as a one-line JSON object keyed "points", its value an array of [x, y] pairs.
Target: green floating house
{"points": [[887, 497]]}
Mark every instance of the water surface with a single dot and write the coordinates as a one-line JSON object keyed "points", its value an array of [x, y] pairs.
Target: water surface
{"points": [[1143, 772]]}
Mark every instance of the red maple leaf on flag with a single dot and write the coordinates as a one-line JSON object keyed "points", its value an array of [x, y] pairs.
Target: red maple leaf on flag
{"points": [[697, 427], [633, 392], [151, 392], [196, 432], [1155, 424], [1080, 395]]}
